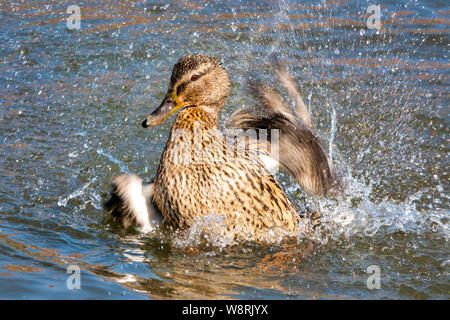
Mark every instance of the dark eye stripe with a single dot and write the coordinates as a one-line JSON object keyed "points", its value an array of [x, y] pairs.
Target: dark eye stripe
{"points": [[180, 88], [195, 77]]}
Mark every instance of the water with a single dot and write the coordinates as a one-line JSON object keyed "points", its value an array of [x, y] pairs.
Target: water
{"points": [[71, 106]]}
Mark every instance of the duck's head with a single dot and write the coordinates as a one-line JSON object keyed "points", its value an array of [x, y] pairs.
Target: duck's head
{"points": [[197, 81]]}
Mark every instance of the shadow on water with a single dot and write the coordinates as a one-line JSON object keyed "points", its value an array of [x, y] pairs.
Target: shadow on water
{"points": [[71, 106]]}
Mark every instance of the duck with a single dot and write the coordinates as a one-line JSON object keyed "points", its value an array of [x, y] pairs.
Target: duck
{"points": [[203, 172]]}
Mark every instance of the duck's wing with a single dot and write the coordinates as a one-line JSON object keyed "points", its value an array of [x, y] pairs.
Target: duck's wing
{"points": [[300, 109], [131, 203], [299, 151]]}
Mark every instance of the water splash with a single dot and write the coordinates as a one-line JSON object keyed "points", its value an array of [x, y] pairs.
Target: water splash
{"points": [[122, 166], [355, 213], [332, 133], [211, 231], [62, 202]]}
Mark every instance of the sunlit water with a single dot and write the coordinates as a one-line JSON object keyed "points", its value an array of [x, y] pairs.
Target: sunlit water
{"points": [[71, 106]]}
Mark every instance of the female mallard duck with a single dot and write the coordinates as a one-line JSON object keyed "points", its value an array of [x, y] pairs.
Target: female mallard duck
{"points": [[200, 173]]}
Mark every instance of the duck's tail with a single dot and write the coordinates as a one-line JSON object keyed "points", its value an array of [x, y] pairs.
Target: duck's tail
{"points": [[300, 152], [130, 203]]}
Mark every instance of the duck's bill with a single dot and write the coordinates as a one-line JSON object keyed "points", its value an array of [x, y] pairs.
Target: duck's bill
{"points": [[167, 108]]}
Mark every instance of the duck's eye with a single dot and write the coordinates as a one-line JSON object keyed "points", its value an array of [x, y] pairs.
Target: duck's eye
{"points": [[195, 77]]}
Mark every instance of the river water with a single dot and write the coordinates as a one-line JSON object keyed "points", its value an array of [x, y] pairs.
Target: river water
{"points": [[72, 102]]}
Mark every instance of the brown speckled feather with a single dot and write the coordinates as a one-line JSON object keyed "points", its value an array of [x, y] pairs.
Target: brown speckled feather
{"points": [[238, 187]]}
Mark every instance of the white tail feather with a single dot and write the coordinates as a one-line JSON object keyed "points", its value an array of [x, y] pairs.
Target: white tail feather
{"points": [[131, 203]]}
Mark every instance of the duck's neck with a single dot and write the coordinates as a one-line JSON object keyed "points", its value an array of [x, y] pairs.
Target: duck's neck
{"points": [[189, 117], [191, 139]]}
